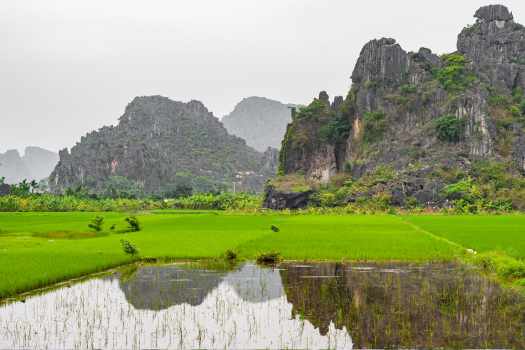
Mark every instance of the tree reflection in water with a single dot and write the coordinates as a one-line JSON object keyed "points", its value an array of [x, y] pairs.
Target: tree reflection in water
{"points": [[431, 306]]}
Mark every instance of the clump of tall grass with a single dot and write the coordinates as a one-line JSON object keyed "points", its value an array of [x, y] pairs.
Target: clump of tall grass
{"points": [[504, 266], [230, 255], [268, 258]]}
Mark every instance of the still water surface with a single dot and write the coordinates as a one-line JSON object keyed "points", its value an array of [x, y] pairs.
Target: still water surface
{"points": [[294, 306]]}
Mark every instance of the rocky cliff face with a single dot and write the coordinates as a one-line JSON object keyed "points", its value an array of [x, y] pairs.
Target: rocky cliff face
{"points": [[418, 110], [36, 164], [157, 142], [260, 121]]}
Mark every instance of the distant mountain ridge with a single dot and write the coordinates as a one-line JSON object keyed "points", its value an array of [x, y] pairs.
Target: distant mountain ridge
{"points": [[36, 164], [160, 144], [260, 121]]}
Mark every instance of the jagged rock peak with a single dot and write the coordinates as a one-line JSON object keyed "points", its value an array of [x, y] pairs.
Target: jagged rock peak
{"points": [[494, 13], [12, 154], [152, 104], [427, 55], [495, 45], [323, 96], [338, 101], [381, 60], [260, 121]]}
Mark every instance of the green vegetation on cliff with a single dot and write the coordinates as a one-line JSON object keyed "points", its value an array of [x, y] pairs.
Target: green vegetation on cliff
{"points": [[374, 125], [450, 128], [431, 119], [486, 186], [454, 76]]}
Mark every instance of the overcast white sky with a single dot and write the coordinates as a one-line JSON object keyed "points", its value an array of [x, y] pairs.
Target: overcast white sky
{"points": [[69, 66]]}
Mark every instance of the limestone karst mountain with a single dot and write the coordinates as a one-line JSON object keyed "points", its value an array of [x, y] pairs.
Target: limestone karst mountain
{"points": [[158, 146], [260, 121], [36, 164], [421, 114]]}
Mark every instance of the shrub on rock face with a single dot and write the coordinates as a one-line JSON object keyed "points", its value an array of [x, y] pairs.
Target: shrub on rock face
{"points": [[454, 75], [375, 125], [336, 130], [449, 128], [522, 107], [313, 110]]}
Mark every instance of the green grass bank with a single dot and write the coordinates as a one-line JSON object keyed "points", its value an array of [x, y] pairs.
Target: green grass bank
{"points": [[39, 249]]}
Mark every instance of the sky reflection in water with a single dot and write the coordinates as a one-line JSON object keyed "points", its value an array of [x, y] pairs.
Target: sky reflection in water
{"points": [[295, 306]]}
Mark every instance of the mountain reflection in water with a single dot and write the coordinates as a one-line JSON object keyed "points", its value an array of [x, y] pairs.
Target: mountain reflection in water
{"points": [[295, 306]]}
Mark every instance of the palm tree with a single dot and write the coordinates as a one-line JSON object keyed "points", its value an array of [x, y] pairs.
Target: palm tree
{"points": [[34, 186]]}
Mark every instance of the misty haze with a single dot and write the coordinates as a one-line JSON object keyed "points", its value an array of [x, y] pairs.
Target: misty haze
{"points": [[247, 174]]}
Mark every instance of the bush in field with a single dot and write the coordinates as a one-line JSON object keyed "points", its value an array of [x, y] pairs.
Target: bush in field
{"points": [[97, 223], [133, 223], [129, 248], [230, 255], [223, 201]]}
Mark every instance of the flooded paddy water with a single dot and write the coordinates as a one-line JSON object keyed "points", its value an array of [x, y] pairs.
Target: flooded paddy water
{"points": [[293, 306]]}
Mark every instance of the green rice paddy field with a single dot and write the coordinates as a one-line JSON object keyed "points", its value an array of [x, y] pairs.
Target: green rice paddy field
{"points": [[38, 249]]}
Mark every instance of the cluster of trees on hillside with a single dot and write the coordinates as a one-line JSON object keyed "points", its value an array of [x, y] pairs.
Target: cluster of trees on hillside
{"points": [[122, 194], [183, 185]]}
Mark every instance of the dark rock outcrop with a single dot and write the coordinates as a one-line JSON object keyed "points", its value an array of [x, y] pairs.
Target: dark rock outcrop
{"points": [[260, 121], [156, 141], [494, 13], [381, 61], [279, 200]]}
